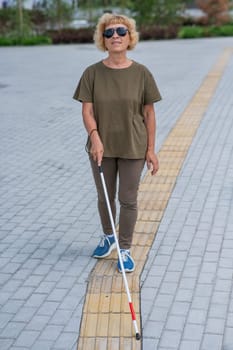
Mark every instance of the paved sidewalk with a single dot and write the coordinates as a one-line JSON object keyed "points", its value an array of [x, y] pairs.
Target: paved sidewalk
{"points": [[48, 219]]}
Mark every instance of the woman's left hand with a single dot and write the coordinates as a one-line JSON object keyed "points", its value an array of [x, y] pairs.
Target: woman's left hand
{"points": [[152, 162]]}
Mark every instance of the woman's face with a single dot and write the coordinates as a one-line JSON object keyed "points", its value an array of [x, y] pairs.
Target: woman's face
{"points": [[116, 38]]}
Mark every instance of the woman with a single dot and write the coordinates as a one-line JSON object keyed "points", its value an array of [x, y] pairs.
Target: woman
{"points": [[117, 96]]}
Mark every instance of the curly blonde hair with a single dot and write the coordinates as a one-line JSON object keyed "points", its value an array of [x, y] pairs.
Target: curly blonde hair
{"points": [[109, 18]]}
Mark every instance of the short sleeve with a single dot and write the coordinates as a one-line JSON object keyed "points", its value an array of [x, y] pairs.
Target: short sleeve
{"points": [[151, 91], [84, 90]]}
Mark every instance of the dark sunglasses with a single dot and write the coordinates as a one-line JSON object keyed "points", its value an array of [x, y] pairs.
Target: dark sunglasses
{"points": [[121, 31]]}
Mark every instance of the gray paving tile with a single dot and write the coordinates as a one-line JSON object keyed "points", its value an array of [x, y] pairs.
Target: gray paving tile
{"points": [[159, 313], [189, 344], [12, 330], [218, 310], [170, 339], [215, 326], [48, 308], [212, 341], [66, 339], [153, 329], [42, 344], [230, 320], [228, 338], [150, 343], [11, 285], [175, 323], [57, 294], [12, 306], [193, 332], [25, 314], [6, 344], [51, 332], [5, 318], [61, 317], [26, 339], [23, 293], [38, 323], [180, 308], [4, 296]]}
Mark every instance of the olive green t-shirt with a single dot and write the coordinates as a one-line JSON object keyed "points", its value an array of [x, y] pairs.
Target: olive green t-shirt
{"points": [[118, 97]]}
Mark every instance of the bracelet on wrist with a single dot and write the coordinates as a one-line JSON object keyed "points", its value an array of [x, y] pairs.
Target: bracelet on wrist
{"points": [[91, 132]]}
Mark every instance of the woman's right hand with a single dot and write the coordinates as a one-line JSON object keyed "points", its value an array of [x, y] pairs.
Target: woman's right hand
{"points": [[97, 149]]}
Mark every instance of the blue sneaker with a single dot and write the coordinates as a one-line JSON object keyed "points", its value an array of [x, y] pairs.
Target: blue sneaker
{"points": [[105, 247], [128, 261]]}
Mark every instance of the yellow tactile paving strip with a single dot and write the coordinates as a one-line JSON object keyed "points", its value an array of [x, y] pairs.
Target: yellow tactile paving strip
{"points": [[106, 321]]}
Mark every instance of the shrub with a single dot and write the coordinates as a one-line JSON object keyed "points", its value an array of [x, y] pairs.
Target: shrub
{"points": [[225, 30], [208, 31], [24, 41], [158, 32], [69, 35], [6, 41], [191, 32], [36, 40]]}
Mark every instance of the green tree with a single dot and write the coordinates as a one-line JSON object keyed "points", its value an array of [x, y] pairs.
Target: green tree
{"points": [[168, 11], [21, 23], [20, 15], [160, 12], [143, 11], [60, 13]]}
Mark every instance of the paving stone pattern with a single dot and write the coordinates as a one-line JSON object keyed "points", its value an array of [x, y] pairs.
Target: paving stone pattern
{"points": [[48, 219]]}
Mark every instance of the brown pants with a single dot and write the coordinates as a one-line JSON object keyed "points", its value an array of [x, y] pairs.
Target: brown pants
{"points": [[129, 173]]}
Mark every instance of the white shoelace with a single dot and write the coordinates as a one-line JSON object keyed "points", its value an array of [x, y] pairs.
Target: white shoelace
{"points": [[101, 244], [125, 255]]}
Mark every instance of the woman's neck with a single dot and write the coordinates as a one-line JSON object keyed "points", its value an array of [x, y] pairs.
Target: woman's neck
{"points": [[117, 61]]}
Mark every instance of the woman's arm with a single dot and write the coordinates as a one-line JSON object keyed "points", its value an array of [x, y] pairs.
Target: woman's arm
{"points": [[150, 122], [89, 121]]}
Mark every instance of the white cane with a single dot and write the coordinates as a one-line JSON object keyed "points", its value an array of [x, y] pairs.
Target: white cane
{"points": [[119, 255]]}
